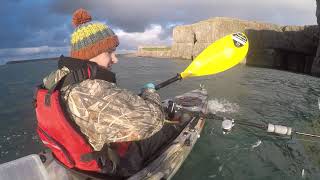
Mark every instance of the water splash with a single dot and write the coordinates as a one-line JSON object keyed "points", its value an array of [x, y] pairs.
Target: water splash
{"points": [[220, 168], [258, 143], [224, 106], [212, 176], [303, 174]]}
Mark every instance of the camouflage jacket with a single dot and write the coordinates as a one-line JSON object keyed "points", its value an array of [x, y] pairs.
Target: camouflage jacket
{"points": [[105, 113]]}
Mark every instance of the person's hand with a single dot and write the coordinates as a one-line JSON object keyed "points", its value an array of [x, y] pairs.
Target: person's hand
{"points": [[148, 87]]}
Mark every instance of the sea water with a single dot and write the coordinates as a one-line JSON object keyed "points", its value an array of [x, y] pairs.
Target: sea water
{"points": [[244, 93]]}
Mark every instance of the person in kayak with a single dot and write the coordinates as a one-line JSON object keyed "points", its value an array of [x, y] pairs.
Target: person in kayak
{"points": [[104, 113]]}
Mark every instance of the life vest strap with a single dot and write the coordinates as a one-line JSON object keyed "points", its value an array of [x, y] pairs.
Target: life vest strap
{"points": [[106, 158], [77, 76]]}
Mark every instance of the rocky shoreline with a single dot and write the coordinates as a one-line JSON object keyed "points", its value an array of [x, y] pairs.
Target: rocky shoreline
{"points": [[273, 46], [154, 51]]}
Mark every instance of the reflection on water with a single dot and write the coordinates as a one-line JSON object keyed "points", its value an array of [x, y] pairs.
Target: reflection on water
{"points": [[244, 93]]}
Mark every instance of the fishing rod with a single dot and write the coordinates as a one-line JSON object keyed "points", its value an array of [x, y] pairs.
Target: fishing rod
{"points": [[228, 124]]}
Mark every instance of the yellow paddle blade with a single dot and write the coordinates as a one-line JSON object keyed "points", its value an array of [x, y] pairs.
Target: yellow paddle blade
{"points": [[219, 56]]}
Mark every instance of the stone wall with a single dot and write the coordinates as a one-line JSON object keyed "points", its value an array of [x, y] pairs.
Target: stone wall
{"points": [[154, 51]]}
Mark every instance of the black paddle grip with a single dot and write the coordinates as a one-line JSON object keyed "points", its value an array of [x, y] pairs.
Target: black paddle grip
{"points": [[169, 81], [166, 83]]}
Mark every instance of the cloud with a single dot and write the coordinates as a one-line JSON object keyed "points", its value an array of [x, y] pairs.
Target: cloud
{"points": [[151, 36], [22, 21], [134, 16], [128, 42], [48, 23]]}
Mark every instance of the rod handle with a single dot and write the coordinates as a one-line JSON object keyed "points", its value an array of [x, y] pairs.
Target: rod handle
{"points": [[278, 129]]}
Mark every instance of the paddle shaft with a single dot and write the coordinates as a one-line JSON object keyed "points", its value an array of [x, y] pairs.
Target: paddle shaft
{"points": [[169, 81], [217, 57]]}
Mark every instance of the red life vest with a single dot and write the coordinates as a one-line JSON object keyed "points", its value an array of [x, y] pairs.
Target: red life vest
{"points": [[59, 133]]}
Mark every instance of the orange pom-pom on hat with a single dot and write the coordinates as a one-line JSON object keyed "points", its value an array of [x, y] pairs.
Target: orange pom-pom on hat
{"points": [[90, 39], [80, 16]]}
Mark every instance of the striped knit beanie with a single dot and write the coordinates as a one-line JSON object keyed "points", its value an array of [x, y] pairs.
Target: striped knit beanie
{"points": [[90, 39]]}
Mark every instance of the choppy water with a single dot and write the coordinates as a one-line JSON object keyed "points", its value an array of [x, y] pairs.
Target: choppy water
{"points": [[244, 93]]}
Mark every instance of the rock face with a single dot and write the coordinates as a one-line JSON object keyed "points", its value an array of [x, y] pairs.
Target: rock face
{"points": [[261, 35], [154, 51], [315, 69], [198, 36], [293, 48], [282, 47]]}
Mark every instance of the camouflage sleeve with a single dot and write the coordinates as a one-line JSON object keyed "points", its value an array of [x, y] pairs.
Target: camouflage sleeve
{"points": [[106, 113], [151, 96], [54, 77]]}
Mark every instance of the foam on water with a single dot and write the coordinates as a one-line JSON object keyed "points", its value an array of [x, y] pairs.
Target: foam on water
{"points": [[223, 106], [10, 144], [256, 144]]}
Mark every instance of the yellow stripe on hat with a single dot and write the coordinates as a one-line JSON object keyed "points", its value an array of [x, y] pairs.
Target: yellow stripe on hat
{"points": [[86, 31]]}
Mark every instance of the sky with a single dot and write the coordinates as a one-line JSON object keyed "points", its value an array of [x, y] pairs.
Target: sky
{"points": [[42, 28]]}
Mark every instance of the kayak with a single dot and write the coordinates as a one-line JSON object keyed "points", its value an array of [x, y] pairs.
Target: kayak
{"points": [[164, 166], [168, 163]]}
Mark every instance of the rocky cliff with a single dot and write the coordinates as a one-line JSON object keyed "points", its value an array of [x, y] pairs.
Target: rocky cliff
{"points": [[282, 47], [196, 37]]}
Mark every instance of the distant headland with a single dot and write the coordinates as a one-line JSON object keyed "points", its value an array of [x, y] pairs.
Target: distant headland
{"points": [[57, 58], [32, 60]]}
